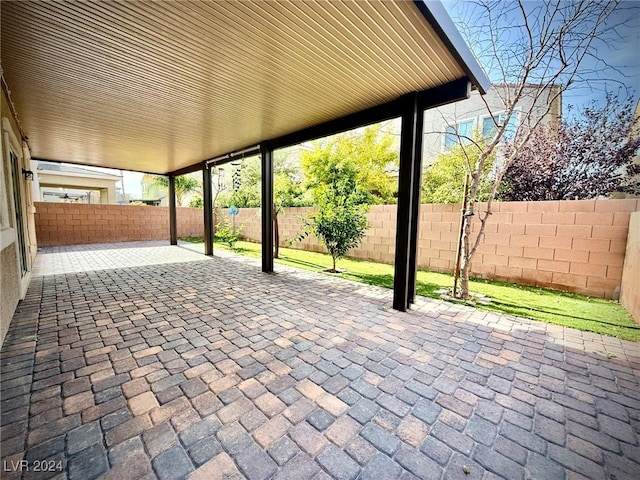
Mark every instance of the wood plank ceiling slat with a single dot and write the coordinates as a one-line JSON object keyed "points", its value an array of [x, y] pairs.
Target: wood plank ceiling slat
{"points": [[160, 85]]}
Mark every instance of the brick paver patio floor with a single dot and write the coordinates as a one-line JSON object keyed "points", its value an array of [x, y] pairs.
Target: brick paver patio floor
{"points": [[151, 361]]}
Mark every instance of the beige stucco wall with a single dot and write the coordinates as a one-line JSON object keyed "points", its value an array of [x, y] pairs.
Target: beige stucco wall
{"points": [[630, 288], [107, 187], [9, 278], [9, 294]]}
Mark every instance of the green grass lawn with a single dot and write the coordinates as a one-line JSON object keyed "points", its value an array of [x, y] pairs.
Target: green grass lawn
{"points": [[551, 306]]}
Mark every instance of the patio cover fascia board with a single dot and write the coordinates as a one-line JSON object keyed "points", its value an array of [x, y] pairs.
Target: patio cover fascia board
{"points": [[431, 98], [441, 22]]}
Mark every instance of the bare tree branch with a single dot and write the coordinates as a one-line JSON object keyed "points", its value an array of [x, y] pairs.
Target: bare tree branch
{"points": [[534, 52]]}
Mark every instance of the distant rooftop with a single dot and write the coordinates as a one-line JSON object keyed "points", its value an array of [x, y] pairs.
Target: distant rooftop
{"points": [[62, 168]]}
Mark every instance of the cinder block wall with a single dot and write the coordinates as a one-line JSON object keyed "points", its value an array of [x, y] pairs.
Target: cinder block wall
{"points": [[571, 245], [630, 289], [71, 224]]}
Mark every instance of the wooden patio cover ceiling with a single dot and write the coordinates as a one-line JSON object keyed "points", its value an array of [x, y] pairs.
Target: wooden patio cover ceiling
{"points": [[157, 86]]}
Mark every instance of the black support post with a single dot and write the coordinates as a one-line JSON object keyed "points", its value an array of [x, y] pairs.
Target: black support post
{"points": [[208, 210], [173, 228], [408, 181], [415, 206], [266, 154]]}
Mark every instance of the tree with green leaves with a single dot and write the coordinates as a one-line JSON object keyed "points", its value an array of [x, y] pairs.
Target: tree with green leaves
{"points": [[196, 202], [287, 192], [372, 153], [185, 185], [227, 232], [340, 221], [443, 181]]}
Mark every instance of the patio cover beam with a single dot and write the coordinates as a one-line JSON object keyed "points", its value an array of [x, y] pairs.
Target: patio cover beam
{"points": [[190, 169], [230, 157], [173, 227], [219, 160], [368, 116], [431, 98]]}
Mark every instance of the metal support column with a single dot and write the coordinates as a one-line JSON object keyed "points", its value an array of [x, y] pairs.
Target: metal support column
{"points": [[173, 228], [207, 198], [415, 206], [408, 182], [266, 154]]}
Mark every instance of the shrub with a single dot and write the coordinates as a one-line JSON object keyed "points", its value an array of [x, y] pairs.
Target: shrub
{"points": [[225, 233], [340, 228]]}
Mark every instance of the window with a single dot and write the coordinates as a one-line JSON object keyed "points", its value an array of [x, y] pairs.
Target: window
{"points": [[460, 133], [489, 125]]}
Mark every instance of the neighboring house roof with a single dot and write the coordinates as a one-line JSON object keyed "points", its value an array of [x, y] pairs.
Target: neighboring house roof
{"points": [[58, 168], [148, 201]]}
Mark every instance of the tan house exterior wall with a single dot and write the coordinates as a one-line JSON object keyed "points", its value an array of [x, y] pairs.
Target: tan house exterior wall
{"points": [[106, 187], [9, 288], [72, 224], [630, 290], [13, 285], [436, 120], [577, 246]]}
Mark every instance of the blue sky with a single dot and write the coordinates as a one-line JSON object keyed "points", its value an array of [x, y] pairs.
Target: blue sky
{"points": [[621, 49]]}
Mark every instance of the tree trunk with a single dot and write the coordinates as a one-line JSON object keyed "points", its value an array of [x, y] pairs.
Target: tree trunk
{"points": [[463, 206], [334, 263], [465, 260], [276, 235]]}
